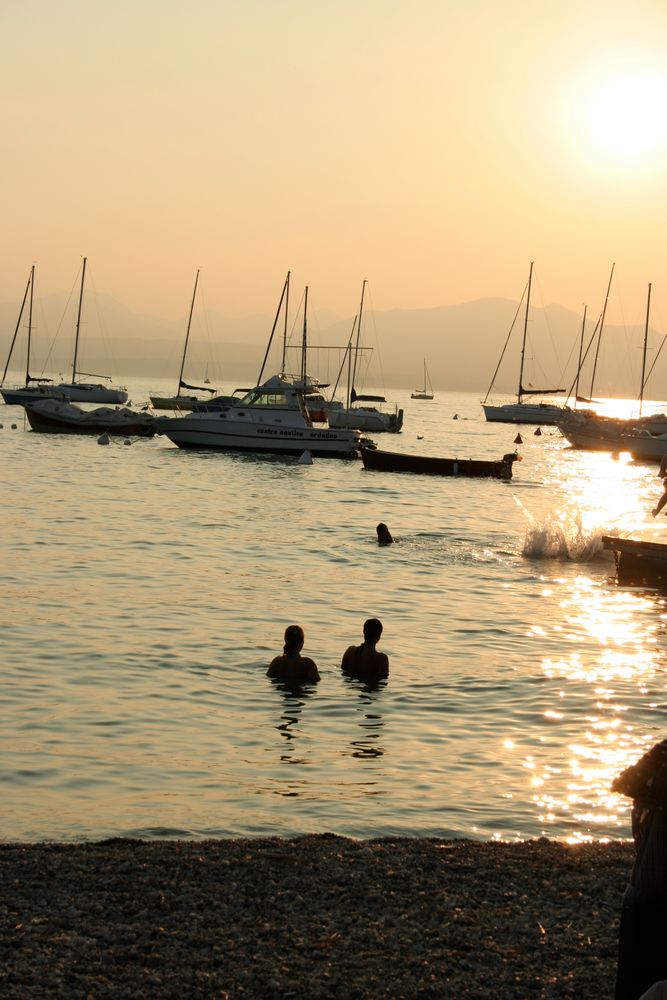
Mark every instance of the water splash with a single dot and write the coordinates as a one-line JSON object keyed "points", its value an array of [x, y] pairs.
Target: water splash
{"points": [[564, 536]]}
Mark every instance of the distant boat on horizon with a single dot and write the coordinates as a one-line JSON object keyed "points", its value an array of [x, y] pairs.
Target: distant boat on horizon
{"points": [[424, 393]]}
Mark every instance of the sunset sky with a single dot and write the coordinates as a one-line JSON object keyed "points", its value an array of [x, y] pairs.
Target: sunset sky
{"points": [[434, 148]]}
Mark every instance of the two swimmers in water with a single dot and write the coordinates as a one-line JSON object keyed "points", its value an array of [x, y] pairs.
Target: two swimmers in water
{"points": [[362, 662]]}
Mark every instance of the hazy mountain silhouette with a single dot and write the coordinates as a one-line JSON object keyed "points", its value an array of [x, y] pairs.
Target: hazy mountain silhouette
{"points": [[461, 343]]}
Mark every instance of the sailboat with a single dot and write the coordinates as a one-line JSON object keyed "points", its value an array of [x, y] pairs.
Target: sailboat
{"points": [[423, 393], [523, 412], [87, 392], [181, 401], [34, 388], [362, 417]]}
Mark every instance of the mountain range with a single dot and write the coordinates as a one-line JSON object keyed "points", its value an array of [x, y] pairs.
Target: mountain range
{"points": [[461, 343]]}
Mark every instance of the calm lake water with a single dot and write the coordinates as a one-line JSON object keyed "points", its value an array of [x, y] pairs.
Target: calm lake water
{"points": [[145, 589]]}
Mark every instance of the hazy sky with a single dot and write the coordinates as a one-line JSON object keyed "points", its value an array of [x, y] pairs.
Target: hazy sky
{"points": [[434, 148]]}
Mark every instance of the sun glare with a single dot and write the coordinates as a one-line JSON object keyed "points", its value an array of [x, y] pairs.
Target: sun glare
{"points": [[622, 116]]}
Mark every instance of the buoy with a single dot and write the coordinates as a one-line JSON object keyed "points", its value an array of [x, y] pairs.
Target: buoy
{"points": [[13, 427], [127, 441], [420, 437], [104, 438], [518, 439], [538, 432], [455, 417], [305, 459]]}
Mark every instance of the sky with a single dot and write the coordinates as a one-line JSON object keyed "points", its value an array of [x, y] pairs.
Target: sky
{"points": [[434, 148]]}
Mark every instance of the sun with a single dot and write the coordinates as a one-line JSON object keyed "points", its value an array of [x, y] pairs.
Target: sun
{"points": [[621, 116]]}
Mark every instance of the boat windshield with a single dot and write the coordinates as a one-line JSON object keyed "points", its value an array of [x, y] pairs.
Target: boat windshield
{"points": [[264, 397]]}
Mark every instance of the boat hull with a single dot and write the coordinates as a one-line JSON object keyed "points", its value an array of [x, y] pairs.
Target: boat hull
{"points": [[196, 432], [83, 392], [523, 413], [388, 461], [421, 395], [638, 563], [362, 418], [175, 402], [18, 397], [58, 418]]}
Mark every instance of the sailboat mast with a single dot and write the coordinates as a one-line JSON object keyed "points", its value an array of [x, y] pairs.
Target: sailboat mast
{"points": [[78, 321], [304, 339], [597, 349], [16, 331], [648, 309], [273, 329], [581, 349], [284, 361], [27, 357], [356, 346], [525, 332], [187, 335]]}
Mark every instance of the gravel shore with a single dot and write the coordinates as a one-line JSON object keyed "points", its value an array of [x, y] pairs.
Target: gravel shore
{"points": [[313, 917]]}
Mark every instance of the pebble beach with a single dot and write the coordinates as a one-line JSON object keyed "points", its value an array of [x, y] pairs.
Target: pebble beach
{"points": [[317, 916]]}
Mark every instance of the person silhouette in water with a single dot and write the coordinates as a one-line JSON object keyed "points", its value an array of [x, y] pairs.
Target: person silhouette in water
{"points": [[384, 534], [292, 667], [365, 662]]}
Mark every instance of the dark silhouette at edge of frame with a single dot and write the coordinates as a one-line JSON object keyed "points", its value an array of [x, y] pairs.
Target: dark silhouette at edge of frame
{"points": [[642, 956]]}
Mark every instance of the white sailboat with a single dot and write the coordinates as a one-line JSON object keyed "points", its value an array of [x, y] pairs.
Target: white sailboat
{"points": [[524, 411], [356, 414], [87, 392], [427, 391], [181, 401], [35, 387]]}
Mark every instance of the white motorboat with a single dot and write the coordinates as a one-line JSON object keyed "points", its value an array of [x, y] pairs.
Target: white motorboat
{"points": [[270, 418]]}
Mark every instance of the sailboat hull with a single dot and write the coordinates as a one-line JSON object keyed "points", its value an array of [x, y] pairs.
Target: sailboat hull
{"points": [[524, 413], [83, 392], [30, 394]]}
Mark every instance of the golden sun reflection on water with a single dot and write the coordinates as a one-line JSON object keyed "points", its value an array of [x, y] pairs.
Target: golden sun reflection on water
{"points": [[615, 635]]}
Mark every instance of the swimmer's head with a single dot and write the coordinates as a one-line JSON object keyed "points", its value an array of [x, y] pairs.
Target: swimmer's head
{"points": [[384, 534], [372, 629], [294, 639]]}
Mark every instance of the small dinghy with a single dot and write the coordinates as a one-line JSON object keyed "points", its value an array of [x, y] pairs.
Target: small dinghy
{"points": [[393, 461]]}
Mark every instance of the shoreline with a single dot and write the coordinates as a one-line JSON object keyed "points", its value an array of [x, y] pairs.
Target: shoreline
{"points": [[314, 916]]}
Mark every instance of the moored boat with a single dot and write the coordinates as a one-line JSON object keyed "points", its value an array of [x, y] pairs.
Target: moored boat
{"points": [[56, 416], [637, 562], [183, 401], [391, 461], [523, 412], [270, 418], [77, 391]]}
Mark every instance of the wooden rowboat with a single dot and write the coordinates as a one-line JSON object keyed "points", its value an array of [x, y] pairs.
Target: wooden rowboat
{"points": [[393, 461], [638, 563]]}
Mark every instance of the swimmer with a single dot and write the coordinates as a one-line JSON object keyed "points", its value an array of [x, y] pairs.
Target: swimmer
{"points": [[364, 662], [291, 667], [662, 501], [384, 534]]}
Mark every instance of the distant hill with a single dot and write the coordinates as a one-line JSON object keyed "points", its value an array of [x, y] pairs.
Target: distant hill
{"points": [[461, 343]]}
